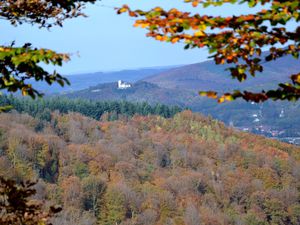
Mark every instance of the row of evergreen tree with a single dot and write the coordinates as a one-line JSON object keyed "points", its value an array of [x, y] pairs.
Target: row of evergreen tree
{"points": [[41, 108]]}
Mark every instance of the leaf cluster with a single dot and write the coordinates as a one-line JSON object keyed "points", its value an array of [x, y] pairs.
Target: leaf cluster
{"points": [[19, 65], [45, 13]]}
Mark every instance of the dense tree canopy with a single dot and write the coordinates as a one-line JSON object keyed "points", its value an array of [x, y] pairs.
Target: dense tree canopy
{"points": [[111, 110], [150, 170], [236, 40]]}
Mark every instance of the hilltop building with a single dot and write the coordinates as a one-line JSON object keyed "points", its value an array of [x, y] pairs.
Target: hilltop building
{"points": [[123, 85]]}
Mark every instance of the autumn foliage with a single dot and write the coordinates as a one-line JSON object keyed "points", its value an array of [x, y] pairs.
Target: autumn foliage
{"points": [[236, 40], [185, 170]]}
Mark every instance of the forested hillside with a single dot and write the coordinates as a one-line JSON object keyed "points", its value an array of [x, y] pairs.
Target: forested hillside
{"points": [[185, 170], [139, 92], [42, 108]]}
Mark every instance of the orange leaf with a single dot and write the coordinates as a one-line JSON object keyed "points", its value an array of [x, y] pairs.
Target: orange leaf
{"points": [[158, 37], [174, 40], [195, 3], [132, 14], [209, 94]]}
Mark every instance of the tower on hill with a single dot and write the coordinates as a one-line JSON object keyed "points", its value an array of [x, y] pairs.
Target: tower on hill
{"points": [[123, 85]]}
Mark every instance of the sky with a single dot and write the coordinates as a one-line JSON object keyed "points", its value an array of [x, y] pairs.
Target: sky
{"points": [[106, 41]]}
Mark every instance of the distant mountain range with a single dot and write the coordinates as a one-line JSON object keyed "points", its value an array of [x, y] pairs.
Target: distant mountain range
{"points": [[86, 80], [200, 76], [207, 75]]}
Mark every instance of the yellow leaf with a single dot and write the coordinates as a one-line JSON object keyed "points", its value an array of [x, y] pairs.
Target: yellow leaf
{"points": [[202, 27], [144, 25], [209, 94], [225, 97], [122, 10], [228, 97], [199, 33], [221, 100], [24, 92]]}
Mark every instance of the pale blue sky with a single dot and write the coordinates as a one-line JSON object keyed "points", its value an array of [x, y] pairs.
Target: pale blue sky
{"points": [[106, 41]]}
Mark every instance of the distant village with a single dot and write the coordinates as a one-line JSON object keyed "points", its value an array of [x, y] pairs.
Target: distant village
{"points": [[257, 127], [272, 133]]}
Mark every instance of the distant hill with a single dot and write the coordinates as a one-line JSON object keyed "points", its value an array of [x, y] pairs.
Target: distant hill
{"points": [[140, 92], [208, 76], [86, 80]]}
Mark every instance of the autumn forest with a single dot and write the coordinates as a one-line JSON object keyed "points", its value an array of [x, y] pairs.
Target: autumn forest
{"points": [[149, 134], [187, 169]]}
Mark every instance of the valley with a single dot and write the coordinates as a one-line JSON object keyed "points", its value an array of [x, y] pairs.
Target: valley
{"points": [[179, 86]]}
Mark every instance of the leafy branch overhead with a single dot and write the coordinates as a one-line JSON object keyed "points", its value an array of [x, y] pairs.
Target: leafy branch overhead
{"points": [[18, 65], [44, 13], [236, 40]]}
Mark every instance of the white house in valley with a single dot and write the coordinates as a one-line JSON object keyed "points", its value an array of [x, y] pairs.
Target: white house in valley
{"points": [[123, 85]]}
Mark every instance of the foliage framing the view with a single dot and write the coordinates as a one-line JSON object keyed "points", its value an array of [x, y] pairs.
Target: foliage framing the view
{"points": [[17, 208], [19, 64], [238, 40]]}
